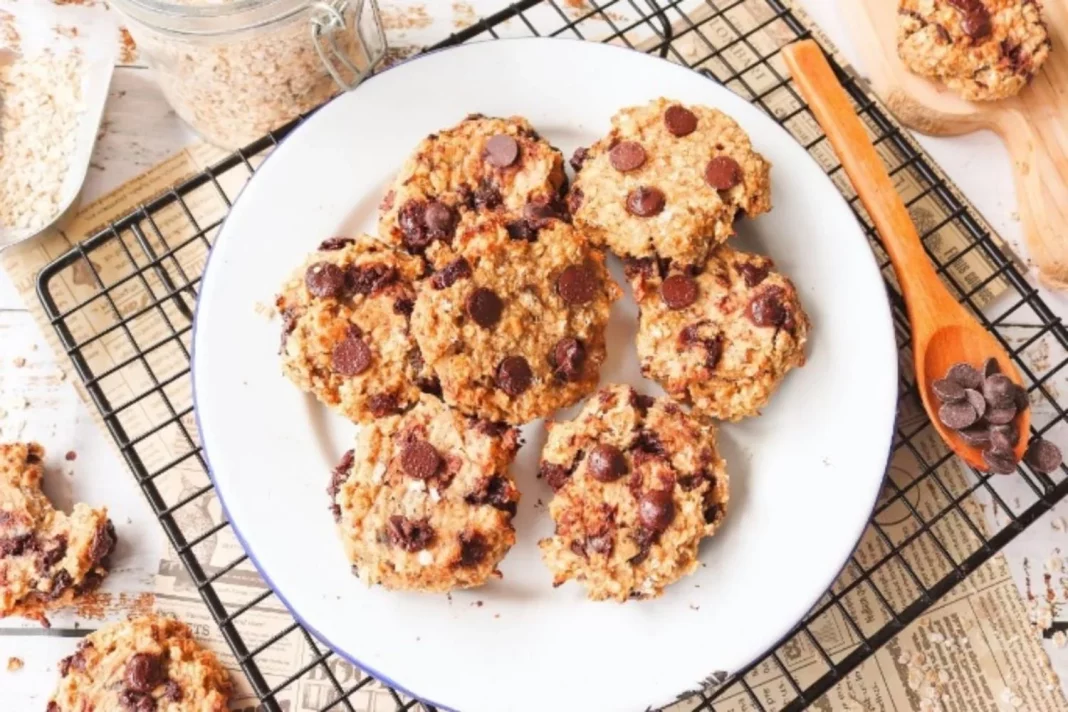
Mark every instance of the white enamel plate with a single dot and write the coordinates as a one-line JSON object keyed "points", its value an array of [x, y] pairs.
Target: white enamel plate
{"points": [[804, 476]]}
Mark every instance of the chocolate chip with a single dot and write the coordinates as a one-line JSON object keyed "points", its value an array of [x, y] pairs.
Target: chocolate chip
{"points": [[440, 219], [656, 510], [767, 309], [451, 273], [412, 221], [473, 548], [966, 375], [383, 404], [16, 545], [409, 534], [976, 24], [487, 195], [494, 491], [723, 173], [340, 473], [976, 400], [754, 274], [50, 557], [501, 151], [351, 357], [52, 707], [1021, 399], [574, 200], [484, 307], [606, 463], [957, 415], [642, 403], [540, 212], [60, 582], [990, 367], [325, 279], [556, 476], [1009, 430], [420, 460], [999, 462], [133, 701], [1000, 416], [569, 356], [948, 391], [576, 285], [172, 691], [578, 548], [369, 279], [522, 230], [680, 121], [645, 202], [1000, 441], [645, 540], [626, 156], [977, 436], [332, 244], [514, 375], [579, 157], [600, 544], [143, 672], [1043, 456], [999, 391], [678, 291]]}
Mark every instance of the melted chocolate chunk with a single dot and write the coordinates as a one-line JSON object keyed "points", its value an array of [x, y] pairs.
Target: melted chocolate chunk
{"points": [[410, 535]]}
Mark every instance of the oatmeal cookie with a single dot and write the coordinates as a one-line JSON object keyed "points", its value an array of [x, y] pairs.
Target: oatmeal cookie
{"points": [[483, 165], [47, 558], [146, 663], [981, 49], [516, 330], [638, 484], [345, 334], [668, 181], [721, 339], [425, 502]]}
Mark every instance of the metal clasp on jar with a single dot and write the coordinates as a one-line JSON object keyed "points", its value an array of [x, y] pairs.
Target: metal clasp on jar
{"points": [[329, 24]]}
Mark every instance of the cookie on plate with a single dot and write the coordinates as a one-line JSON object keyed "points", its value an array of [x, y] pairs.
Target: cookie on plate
{"points": [[516, 329], [481, 166], [638, 484], [47, 557], [981, 49], [345, 335], [146, 663], [668, 181], [425, 502], [721, 339]]}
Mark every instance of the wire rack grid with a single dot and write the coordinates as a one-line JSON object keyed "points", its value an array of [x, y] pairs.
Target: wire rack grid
{"points": [[928, 532]]}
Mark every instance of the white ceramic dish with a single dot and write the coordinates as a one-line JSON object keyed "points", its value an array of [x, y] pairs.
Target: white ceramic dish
{"points": [[804, 476]]}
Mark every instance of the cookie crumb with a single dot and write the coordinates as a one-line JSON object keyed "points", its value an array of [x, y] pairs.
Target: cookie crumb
{"points": [[14, 664], [71, 456], [18, 361]]}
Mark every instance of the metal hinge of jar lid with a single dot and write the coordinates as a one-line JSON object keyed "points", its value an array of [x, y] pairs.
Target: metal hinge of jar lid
{"points": [[328, 22]]}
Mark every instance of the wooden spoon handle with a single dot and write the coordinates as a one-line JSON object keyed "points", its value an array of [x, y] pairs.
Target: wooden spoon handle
{"points": [[830, 105]]}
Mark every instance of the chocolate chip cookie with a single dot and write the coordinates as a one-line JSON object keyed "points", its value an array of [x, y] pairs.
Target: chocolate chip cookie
{"points": [[425, 502], [722, 337], [345, 334], [47, 557], [668, 181], [483, 165], [142, 665], [638, 484], [981, 49], [515, 330]]}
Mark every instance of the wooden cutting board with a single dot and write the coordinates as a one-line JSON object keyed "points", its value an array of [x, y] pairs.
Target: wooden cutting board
{"points": [[1033, 125]]}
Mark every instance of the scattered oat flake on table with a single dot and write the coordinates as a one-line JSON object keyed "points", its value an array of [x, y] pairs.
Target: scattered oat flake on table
{"points": [[14, 664], [1060, 639], [127, 47], [18, 361]]}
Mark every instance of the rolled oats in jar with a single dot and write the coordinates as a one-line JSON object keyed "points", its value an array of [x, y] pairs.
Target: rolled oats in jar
{"points": [[236, 69]]}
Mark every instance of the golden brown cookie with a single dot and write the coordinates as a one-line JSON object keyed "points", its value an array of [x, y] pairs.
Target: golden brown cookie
{"points": [[146, 664], [638, 484], [668, 181], [482, 166], [47, 558], [424, 502], [515, 330], [345, 328], [981, 49], [723, 339]]}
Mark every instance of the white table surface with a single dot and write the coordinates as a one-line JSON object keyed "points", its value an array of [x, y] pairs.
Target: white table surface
{"points": [[35, 402]]}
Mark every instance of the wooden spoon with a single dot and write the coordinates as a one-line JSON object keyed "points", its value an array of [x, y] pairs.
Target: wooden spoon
{"points": [[944, 333]]}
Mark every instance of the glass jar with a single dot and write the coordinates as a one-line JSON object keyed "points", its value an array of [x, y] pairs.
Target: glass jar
{"points": [[235, 69]]}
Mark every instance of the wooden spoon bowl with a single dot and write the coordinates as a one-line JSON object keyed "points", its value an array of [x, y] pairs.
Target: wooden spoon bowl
{"points": [[944, 333]]}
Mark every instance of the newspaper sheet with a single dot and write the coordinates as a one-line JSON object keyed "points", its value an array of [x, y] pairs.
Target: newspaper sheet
{"points": [[975, 649]]}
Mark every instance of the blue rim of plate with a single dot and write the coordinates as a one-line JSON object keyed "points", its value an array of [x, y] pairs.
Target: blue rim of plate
{"points": [[244, 543]]}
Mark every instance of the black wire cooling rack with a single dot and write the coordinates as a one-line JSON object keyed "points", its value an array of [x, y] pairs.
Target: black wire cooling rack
{"points": [[928, 532]]}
